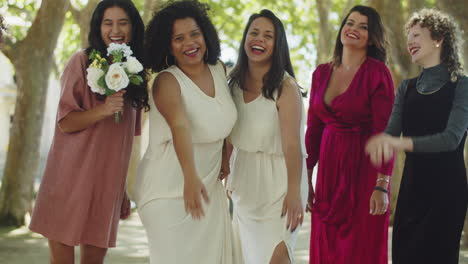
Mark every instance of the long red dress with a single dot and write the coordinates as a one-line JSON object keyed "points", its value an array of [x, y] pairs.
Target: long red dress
{"points": [[343, 231]]}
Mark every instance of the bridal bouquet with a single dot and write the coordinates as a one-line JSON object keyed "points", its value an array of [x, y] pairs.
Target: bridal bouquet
{"points": [[107, 78]]}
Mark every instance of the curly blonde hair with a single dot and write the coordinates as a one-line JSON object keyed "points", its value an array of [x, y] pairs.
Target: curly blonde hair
{"points": [[442, 27]]}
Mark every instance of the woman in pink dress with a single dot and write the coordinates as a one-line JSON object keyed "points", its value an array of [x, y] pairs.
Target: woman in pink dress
{"points": [[82, 194], [351, 99]]}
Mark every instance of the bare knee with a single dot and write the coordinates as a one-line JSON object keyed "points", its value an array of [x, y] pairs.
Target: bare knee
{"points": [[61, 253], [92, 255], [280, 254]]}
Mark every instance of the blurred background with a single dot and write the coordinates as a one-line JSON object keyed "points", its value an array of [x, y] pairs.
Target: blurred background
{"points": [[42, 34]]}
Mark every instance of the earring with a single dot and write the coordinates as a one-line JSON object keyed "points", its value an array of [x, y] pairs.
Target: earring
{"points": [[437, 45], [167, 64], [206, 55]]}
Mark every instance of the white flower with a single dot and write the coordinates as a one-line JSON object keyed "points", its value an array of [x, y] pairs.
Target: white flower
{"points": [[119, 48], [93, 76], [116, 78], [133, 65]]}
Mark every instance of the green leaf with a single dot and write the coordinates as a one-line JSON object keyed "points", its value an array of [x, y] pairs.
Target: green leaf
{"points": [[135, 79], [102, 82], [117, 56], [109, 92]]}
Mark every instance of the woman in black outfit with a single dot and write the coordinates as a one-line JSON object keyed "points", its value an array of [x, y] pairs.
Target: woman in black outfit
{"points": [[431, 111]]}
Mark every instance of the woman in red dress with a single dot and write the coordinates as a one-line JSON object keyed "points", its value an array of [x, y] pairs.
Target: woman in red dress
{"points": [[351, 99]]}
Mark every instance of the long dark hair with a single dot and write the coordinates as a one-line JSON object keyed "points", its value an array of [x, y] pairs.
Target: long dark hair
{"points": [[281, 61], [159, 33], [377, 47], [138, 94]]}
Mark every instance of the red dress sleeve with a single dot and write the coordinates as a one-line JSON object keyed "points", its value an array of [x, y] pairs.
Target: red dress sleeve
{"points": [[382, 96], [315, 125]]}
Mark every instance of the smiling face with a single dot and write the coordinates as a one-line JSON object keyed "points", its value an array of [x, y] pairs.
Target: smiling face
{"points": [[188, 44], [116, 26], [422, 48], [260, 40], [354, 33]]}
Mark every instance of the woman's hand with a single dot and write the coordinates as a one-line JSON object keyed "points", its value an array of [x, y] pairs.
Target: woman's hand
{"points": [[292, 208], [113, 104], [194, 189], [380, 148], [311, 196], [378, 203], [125, 209]]}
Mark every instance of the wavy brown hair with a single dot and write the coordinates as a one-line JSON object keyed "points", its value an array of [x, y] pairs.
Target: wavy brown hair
{"points": [[377, 36], [442, 27]]}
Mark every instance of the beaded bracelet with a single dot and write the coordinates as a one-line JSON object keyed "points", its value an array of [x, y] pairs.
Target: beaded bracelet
{"points": [[378, 188], [383, 179]]}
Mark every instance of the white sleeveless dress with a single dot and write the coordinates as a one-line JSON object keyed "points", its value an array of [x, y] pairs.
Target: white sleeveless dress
{"points": [[259, 180], [173, 236]]}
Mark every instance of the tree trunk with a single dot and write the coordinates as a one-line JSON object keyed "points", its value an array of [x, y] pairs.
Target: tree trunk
{"points": [[32, 67], [325, 39], [83, 18], [150, 7]]}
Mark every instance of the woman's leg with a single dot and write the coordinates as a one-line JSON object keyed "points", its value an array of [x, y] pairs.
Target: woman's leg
{"points": [[280, 254], [92, 255], [61, 253]]}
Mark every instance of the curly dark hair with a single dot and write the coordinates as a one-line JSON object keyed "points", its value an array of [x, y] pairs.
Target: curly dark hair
{"points": [[281, 61], [158, 34], [138, 94], [442, 27], [377, 37]]}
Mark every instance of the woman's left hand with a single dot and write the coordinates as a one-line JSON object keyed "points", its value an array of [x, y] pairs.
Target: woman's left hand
{"points": [[378, 203], [125, 209], [292, 209]]}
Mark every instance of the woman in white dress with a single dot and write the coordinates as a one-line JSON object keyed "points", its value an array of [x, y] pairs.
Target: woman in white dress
{"points": [[268, 183], [180, 198]]}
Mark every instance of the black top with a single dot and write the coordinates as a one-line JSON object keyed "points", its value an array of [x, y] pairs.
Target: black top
{"points": [[430, 81]]}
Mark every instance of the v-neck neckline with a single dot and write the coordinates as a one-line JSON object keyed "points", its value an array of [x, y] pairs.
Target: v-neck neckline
{"points": [[251, 101], [198, 87], [329, 106]]}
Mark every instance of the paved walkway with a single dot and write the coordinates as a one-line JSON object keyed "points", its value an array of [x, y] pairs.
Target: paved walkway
{"points": [[20, 246]]}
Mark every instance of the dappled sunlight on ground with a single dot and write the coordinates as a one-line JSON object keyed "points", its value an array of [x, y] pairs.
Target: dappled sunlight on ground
{"points": [[19, 246]]}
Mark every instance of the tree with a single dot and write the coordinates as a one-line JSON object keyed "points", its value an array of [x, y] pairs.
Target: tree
{"points": [[82, 17], [32, 58]]}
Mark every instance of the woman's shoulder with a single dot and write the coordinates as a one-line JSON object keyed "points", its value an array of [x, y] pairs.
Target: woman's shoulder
{"points": [[77, 63], [80, 57], [324, 67], [377, 65]]}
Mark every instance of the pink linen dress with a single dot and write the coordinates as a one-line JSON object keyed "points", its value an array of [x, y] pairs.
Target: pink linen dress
{"points": [[343, 231], [83, 185]]}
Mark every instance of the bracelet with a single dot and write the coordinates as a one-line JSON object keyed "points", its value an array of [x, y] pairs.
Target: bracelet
{"points": [[378, 188], [383, 179]]}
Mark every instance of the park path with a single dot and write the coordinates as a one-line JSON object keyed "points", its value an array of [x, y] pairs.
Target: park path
{"points": [[20, 246]]}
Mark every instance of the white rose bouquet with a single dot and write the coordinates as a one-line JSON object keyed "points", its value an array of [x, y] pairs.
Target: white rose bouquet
{"points": [[105, 79]]}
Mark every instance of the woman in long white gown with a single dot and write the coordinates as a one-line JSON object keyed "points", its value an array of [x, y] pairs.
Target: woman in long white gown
{"points": [[268, 181], [180, 198]]}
